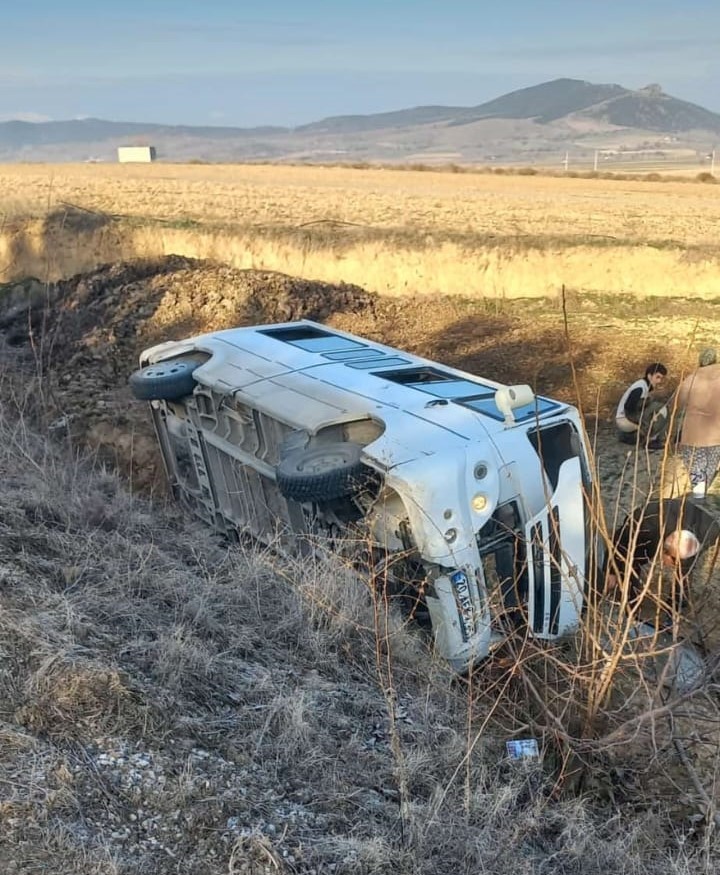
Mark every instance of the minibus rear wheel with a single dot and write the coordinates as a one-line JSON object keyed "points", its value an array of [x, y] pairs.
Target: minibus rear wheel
{"points": [[165, 381]]}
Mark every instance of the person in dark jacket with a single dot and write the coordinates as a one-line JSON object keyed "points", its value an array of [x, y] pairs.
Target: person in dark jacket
{"points": [[638, 414], [677, 530]]}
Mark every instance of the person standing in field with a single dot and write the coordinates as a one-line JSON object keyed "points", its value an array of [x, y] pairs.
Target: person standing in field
{"points": [[697, 399], [638, 415]]}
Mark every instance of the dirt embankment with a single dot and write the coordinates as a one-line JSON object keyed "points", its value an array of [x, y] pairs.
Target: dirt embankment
{"points": [[83, 337]]}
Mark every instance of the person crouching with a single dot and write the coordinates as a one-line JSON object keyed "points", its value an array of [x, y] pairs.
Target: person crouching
{"points": [[639, 417]]}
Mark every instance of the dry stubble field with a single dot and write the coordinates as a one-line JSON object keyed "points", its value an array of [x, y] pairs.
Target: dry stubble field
{"points": [[157, 716], [393, 232], [472, 204]]}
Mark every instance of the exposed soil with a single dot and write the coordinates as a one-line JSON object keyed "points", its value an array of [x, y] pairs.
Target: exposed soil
{"points": [[84, 336]]}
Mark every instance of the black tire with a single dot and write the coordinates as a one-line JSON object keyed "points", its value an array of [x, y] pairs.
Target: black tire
{"points": [[321, 473], [165, 381]]}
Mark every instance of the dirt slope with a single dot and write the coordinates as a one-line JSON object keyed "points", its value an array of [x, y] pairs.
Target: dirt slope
{"points": [[84, 335]]}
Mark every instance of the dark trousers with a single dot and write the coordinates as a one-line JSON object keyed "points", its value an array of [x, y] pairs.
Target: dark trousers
{"points": [[677, 592], [651, 426]]}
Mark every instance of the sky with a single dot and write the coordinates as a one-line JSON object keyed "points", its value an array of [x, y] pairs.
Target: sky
{"points": [[290, 62]]}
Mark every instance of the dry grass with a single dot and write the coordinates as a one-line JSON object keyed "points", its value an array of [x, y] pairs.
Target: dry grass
{"points": [[393, 232], [428, 202], [168, 704]]}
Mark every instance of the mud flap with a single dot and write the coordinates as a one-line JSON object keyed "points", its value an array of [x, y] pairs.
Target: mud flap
{"points": [[556, 556]]}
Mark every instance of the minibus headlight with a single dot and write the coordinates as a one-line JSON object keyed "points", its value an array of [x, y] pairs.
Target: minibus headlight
{"points": [[479, 502]]}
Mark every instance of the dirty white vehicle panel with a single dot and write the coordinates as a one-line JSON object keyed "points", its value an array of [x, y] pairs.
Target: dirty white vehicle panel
{"points": [[470, 494]]}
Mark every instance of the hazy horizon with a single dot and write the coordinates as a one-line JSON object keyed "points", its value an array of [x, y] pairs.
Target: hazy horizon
{"points": [[172, 62]]}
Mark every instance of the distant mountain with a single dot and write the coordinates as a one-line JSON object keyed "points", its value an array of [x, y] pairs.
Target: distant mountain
{"points": [[401, 118], [532, 123], [17, 134], [649, 109], [548, 102], [542, 103], [653, 110]]}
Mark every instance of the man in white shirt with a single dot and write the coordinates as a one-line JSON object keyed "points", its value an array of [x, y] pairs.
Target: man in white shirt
{"points": [[640, 417]]}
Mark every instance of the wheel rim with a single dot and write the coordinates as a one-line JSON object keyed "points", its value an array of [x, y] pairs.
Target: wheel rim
{"points": [[153, 372], [321, 464]]}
